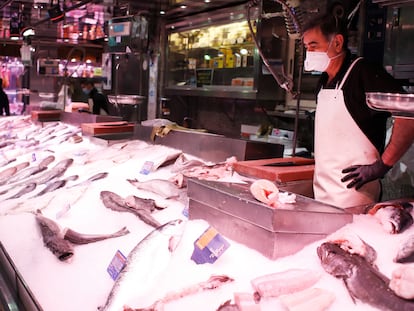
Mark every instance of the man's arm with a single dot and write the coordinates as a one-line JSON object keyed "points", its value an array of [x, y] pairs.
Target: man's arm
{"points": [[402, 137]]}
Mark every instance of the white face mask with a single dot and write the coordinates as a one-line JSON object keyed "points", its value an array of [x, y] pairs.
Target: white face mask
{"points": [[318, 61]]}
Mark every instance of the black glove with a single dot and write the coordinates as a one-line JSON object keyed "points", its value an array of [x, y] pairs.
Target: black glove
{"points": [[361, 174]]}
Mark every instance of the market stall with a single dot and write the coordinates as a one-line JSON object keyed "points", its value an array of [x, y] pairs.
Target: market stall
{"points": [[101, 167]]}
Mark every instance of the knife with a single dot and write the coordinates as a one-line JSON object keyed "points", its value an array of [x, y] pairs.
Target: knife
{"points": [[290, 163]]}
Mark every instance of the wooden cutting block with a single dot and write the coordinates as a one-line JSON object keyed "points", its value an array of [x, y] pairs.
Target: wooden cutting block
{"points": [[103, 128], [45, 115], [277, 169]]}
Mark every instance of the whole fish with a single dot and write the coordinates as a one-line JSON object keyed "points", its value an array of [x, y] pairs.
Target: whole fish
{"points": [[28, 172], [135, 202], [32, 170], [352, 243], [163, 188], [406, 251], [82, 238], [115, 202], [91, 179], [146, 263], [5, 161], [8, 172], [228, 306], [26, 189], [46, 161], [59, 241], [53, 237], [394, 218], [21, 166], [58, 170], [183, 163], [362, 280], [214, 282], [53, 185]]}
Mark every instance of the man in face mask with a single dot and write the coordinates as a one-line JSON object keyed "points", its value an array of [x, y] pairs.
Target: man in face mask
{"points": [[350, 152], [98, 102]]}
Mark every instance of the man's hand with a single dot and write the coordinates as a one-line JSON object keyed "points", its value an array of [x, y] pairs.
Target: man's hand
{"points": [[361, 174]]}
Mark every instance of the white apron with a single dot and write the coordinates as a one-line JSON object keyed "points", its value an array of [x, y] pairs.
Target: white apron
{"points": [[340, 143]]}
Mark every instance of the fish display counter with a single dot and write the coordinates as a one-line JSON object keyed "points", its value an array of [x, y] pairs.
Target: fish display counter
{"points": [[87, 223]]}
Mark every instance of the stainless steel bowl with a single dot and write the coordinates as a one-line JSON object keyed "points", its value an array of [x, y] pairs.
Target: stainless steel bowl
{"points": [[397, 104], [126, 99]]}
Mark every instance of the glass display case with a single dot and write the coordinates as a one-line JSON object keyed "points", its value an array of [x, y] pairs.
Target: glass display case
{"points": [[215, 54]]}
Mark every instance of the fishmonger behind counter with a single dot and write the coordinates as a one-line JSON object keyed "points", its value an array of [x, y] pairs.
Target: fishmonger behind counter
{"points": [[350, 152], [98, 102]]}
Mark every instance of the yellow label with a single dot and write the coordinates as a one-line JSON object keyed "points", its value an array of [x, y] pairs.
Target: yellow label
{"points": [[207, 236]]}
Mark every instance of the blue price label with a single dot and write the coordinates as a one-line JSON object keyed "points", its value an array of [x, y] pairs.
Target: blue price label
{"points": [[116, 265]]}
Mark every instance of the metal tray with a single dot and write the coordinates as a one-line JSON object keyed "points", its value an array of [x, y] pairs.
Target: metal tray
{"points": [[274, 232], [398, 104]]}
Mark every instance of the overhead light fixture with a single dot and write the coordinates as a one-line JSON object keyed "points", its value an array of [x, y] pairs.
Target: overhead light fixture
{"points": [[27, 32], [14, 28], [55, 13]]}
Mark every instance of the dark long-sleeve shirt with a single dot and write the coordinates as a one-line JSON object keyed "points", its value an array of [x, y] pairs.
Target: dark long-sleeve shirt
{"points": [[99, 101], [365, 77], [4, 103]]}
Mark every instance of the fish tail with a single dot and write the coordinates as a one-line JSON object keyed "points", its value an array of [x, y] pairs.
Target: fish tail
{"points": [[121, 232]]}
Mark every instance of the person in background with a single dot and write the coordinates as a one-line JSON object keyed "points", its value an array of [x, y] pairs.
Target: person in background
{"points": [[350, 153], [98, 102], [4, 101]]}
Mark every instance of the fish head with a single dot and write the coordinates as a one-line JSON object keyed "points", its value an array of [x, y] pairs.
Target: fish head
{"points": [[335, 260], [394, 218]]}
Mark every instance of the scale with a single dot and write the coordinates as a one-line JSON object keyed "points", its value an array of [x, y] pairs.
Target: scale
{"points": [[399, 105]]}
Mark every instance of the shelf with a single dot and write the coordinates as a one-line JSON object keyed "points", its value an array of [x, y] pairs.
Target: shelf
{"points": [[217, 48], [249, 68], [219, 91]]}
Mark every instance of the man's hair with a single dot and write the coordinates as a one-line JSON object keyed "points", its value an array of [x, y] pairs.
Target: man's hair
{"points": [[330, 25], [87, 82]]}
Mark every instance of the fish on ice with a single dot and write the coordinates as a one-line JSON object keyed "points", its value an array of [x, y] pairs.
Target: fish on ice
{"points": [[147, 262], [139, 207], [394, 217], [53, 237], [26, 189], [406, 251], [213, 283], [362, 280], [86, 238], [60, 241], [164, 188]]}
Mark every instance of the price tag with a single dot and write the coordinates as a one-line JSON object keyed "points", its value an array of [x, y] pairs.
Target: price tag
{"points": [[116, 265], [209, 247], [147, 167]]}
